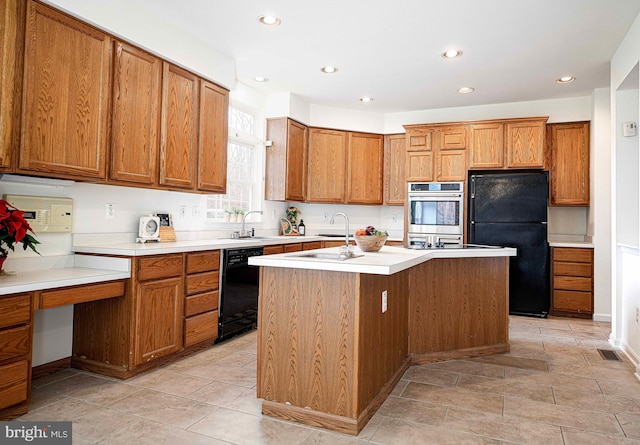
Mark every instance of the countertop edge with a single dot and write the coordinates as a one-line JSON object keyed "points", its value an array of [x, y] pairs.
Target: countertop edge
{"points": [[376, 263]]}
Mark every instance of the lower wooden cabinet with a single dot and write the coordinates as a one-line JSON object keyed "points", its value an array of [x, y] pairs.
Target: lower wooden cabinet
{"points": [[202, 284], [159, 319], [16, 328], [572, 282]]}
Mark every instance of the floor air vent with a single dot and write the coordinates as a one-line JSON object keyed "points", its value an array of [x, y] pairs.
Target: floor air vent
{"points": [[608, 354]]}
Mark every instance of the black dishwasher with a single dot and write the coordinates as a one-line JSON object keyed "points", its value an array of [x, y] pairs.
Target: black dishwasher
{"points": [[239, 292]]}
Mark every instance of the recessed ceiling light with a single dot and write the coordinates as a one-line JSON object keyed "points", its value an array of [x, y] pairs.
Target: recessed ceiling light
{"points": [[261, 79], [269, 20], [466, 90], [566, 79], [451, 54], [366, 99], [329, 69]]}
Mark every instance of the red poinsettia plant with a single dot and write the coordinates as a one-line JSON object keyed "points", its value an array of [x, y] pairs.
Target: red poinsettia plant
{"points": [[14, 229]]}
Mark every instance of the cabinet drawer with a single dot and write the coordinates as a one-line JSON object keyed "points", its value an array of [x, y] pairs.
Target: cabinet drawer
{"points": [[572, 254], [270, 250], [200, 328], [567, 300], [15, 342], [15, 310], [13, 383], [81, 294], [159, 267], [202, 282], [295, 247], [572, 283], [196, 304], [572, 269], [312, 245], [203, 261]]}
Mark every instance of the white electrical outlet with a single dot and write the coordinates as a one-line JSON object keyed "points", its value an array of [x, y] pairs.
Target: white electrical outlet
{"points": [[384, 301], [183, 211], [273, 214], [637, 315], [394, 218], [110, 211], [195, 211], [326, 215]]}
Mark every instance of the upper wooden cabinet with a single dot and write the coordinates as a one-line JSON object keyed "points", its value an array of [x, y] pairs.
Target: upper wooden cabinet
{"points": [[525, 143], [179, 131], [12, 17], [327, 161], [418, 140], [135, 116], [395, 188], [509, 143], [569, 153], [364, 169], [487, 145], [286, 160], [65, 96], [453, 137], [212, 138]]}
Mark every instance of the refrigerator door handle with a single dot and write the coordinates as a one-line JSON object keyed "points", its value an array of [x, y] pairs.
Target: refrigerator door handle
{"points": [[544, 222]]}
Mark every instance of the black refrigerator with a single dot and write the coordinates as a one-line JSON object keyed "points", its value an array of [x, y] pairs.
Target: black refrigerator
{"points": [[510, 210]]}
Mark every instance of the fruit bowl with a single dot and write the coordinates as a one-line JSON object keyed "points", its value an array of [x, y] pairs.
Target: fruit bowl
{"points": [[370, 243]]}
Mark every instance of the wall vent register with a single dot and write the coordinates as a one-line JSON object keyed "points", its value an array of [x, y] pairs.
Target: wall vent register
{"points": [[43, 213]]}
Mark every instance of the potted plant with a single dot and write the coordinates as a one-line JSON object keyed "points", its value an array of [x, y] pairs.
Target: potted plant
{"points": [[14, 229], [227, 214]]}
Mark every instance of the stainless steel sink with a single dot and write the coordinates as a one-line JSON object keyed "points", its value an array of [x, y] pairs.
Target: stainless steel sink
{"points": [[326, 256]]}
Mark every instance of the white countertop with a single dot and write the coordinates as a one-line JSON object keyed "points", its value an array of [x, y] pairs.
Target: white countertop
{"points": [[387, 261], [82, 269], [140, 249]]}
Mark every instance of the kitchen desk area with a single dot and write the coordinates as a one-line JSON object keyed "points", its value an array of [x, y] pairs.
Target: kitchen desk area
{"points": [[334, 337]]}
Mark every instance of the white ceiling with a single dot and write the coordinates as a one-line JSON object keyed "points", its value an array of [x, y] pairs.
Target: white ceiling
{"points": [[390, 50]]}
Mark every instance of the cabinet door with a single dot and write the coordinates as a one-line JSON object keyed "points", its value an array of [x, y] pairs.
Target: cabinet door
{"points": [[395, 188], [365, 164], [159, 312], [296, 173], [178, 146], [569, 176], [418, 140], [213, 138], [453, 138], [327, 165], [419, 166], [525, 144], [12, 17], [66, 96], [451, 165], [135, 115], [487, 146]]}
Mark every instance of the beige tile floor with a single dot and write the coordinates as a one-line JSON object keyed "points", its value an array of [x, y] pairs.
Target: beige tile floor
{"points": [[552, 388]]}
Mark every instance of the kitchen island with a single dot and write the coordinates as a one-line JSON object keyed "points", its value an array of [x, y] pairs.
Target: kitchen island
{"points": [[334, 337]]}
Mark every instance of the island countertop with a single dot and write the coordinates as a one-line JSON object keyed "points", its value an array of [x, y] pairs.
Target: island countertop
{"points": [[388, 261]]}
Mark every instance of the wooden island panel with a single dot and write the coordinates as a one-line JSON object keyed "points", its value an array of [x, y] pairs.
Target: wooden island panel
{"points": [[328, 354], [462, 308]]}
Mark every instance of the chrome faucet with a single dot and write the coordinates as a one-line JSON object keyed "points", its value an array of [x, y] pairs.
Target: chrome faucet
{"points": [[243, 233], [347, 252]]}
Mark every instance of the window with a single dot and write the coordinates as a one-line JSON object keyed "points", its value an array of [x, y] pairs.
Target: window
{"points": [[243, 172]]}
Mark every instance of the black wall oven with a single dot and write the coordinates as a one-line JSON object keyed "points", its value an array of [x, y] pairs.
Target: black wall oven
{"points": [[239, 292]]}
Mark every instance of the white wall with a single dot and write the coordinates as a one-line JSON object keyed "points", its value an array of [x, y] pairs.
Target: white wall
{"points": [[625, 267], [599, 226]]}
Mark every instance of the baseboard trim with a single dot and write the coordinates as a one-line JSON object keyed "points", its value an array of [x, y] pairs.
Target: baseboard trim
{"points": [[50, 368]]}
